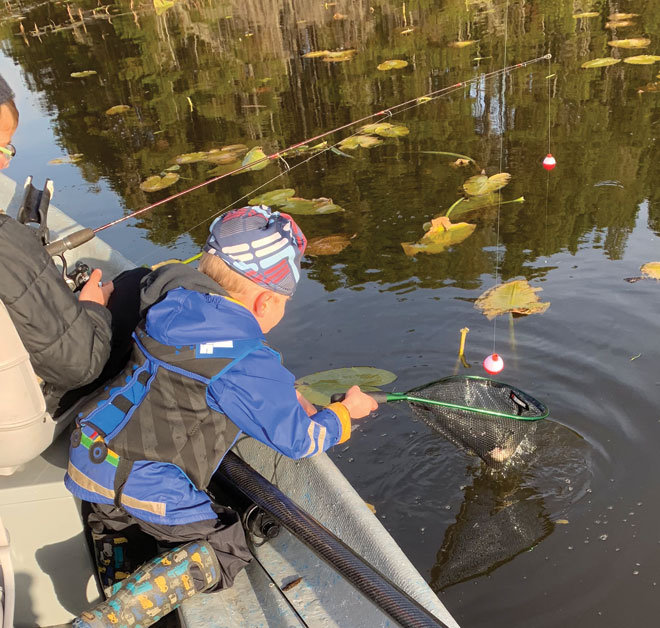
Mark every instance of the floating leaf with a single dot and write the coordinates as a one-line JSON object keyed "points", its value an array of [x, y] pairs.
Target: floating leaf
{"points": [[650, 87], [162, 5], [516, 296], [255, 155], [466, 205], [155, 183], [191, 158], [586, 14], [82, 74], [314, 54], [642, 59], [600, 62], [365, 141], [461, 44], [621, 24], [113, 111], [637, 42], [406, 31], [370, 507], [226, 154], [273, 198], [317, 388], [651, 269], [328, 245], [615, 17], [562, 521], [392, 64], [69, 159], [339, 56], [423, 99], [441, 235], [480, 184], [295, 205]]}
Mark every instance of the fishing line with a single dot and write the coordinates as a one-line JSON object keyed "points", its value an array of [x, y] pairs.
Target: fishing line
{"points": [[389, 112]]}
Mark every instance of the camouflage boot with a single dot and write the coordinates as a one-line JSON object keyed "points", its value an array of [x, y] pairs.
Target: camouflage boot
{"points": [[156, 588]]}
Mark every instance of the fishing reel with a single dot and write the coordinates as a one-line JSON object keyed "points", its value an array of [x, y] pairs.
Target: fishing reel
{"points": [[78, 277], [260, 524]]}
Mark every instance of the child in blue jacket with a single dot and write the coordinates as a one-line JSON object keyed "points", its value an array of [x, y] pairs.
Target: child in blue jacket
{"points": [[200, 375]]}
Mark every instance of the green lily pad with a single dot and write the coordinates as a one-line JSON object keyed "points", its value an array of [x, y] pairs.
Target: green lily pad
{"points": [[328, 245], [69, 159], [392, 64], [191, 158], [636, 42], [155, 183], [385, 129], [651, 269], [642, 59], [317, 388], [516, 296], [586, 14], [273, 198], [473, 203], [82, 74], [365, 141], [226, 154], [339, 56], [255, 155], [480, 184], [113, 111], [441, 235], [601, 62], [295, 205]]}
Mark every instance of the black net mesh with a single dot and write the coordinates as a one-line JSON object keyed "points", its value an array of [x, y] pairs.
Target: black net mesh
{"points": [[493, 438]]}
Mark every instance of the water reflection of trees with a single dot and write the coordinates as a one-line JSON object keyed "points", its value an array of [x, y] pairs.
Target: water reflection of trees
{"points": [[206, 74]]}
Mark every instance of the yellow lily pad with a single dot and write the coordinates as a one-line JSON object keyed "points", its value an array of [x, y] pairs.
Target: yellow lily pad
{"points": [[586, 14], [601, 62], [636, 42], [339, 55], [328, 245], [255, 155], [462, 44], [516, 296], [315, 54], [272, 198], [642, 59], [616, 17], [651, 269], [392, 64], [113, 111], [480, 184], [156, 182], [162, 5], [441, 235], [621, 24], [82, 74]]}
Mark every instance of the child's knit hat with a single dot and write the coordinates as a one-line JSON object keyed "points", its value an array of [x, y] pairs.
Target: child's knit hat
{"points": [[260, 244]]}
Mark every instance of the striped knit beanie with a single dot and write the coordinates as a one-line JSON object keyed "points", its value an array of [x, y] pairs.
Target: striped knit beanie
{"points": [[260, 244]]}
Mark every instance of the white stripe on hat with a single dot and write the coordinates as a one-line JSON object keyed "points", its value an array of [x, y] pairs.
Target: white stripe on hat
{"points": [[271, 249], [238, 248], [267, 240], [242, 258]]}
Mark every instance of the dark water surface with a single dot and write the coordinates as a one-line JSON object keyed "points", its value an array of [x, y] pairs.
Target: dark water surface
{"points": [[206, 74]]}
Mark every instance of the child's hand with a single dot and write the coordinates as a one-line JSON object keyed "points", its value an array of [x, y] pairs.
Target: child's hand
{"points": [[358, 403], [94, 292], [307, 406]]}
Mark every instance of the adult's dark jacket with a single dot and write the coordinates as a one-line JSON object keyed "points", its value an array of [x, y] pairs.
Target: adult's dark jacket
{"points": [[68, 340]]}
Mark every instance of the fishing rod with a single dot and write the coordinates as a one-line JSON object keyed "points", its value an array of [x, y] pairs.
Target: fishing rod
{"points": [[84, 235]]}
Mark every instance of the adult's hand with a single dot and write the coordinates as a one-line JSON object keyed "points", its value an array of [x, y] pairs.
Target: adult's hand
{"points": [[94, 291], [359, 404]]}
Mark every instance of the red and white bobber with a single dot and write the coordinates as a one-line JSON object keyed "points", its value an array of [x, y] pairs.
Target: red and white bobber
{"points": [[549, 162], [493, 364]]}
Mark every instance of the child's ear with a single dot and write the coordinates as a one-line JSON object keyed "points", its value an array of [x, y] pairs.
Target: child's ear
{"points": [[262, 302]]}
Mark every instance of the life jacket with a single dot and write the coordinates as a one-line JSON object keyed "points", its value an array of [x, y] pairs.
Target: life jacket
{"points": [[153, 419]]}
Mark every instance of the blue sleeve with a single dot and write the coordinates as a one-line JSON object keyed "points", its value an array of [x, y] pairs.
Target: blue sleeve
{"points": [[257, 394]]}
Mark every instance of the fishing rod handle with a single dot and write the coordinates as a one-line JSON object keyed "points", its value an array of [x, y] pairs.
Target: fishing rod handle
{"points": [[69, 242], [379, 396]]}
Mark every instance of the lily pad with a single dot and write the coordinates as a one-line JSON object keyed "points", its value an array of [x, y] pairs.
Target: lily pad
{"points": [[586, 14], [385, 129], [516, 296], [255, 155], [651, 269], [462, 44], [621, 24], [328, 245], [317, 388], [69, 159], [155, 183], [295, 205], [601, 62], [480, 184], [615, 17], [82, 74], [642, 59], [273, 198], [113, 111], [637, 42], [163, 5], [226, 154], [339, 56], [392, 64], [365, 141], [315, 54], [441, 235], [191, 158]]}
